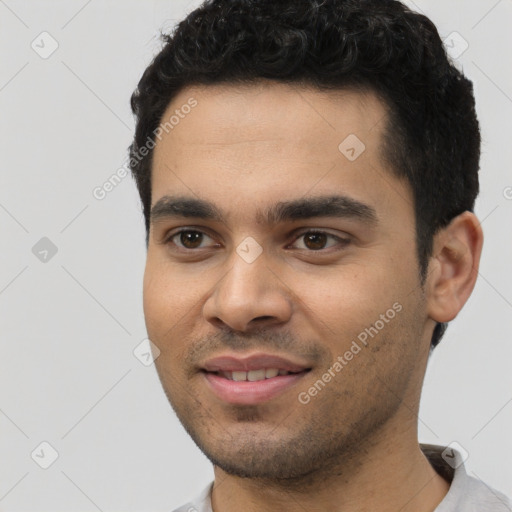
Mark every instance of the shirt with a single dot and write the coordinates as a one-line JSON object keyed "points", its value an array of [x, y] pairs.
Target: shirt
{"points": [[466, 494]]}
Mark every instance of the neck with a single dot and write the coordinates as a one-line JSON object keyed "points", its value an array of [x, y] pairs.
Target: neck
{"points": [[388, 474]]}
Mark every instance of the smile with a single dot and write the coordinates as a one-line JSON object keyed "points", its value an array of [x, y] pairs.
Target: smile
{"points": [[254, 375], [244, 391]]}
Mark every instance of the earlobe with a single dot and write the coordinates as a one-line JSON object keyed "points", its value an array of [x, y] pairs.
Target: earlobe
{"points": [[453, 268]]}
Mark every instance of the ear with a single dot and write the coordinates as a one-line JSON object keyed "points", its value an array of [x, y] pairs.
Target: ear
{"points": [[453, 267]]}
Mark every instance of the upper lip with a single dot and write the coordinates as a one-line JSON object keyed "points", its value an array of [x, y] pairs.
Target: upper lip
{"points": [[231, 363]]}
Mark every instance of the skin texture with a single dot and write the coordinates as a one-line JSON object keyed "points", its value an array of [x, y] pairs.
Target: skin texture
{"points": [[354, 445]]}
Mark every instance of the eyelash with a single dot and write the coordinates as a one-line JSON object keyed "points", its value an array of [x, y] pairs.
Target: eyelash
{"points": [[341, 241]]}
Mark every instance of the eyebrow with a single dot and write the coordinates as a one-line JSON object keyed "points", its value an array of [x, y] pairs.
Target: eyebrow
{"points": [[298, 209]]}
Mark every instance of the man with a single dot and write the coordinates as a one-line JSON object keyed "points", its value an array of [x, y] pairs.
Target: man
{"points": [[308, 172]]}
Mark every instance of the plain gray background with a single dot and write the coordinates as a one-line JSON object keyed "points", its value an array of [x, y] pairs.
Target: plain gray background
{"points": [[70, 321]]}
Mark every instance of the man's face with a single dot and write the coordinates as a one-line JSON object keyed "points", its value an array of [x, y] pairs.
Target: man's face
{"points": [[265, 285]]}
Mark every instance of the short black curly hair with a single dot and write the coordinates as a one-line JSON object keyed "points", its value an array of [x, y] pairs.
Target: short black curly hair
{"points": [[432, 138]]}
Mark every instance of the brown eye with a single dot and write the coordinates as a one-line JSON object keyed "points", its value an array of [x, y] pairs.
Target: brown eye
{"points": [[315, 241], [191, 239], [318, 240]]}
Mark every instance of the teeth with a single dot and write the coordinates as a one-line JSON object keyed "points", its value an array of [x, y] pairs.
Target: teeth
{"points": [[271, 372], [254, 375]]}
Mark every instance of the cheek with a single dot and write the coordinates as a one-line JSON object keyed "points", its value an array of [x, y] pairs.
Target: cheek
{"points": [[347, 299], [173, 298], [165, 317], [165, 298]]}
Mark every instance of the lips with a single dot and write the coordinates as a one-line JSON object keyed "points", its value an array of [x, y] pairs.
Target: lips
{"points": [[253, 379], [253, 375], [229, 363]]}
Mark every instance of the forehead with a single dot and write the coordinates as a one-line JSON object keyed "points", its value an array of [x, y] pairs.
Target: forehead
{"points": [[265, 107], [245, 144]]}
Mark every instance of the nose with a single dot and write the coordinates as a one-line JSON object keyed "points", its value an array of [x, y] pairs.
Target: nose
{"points": [[249, 296]]}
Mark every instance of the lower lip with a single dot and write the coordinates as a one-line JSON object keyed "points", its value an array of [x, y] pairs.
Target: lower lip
{"points": [[250, 393]]}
